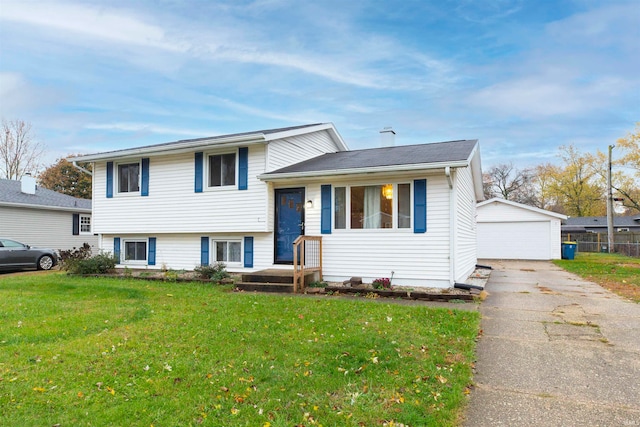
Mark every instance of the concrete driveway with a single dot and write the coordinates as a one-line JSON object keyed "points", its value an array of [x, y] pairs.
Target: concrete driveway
{"points": [[555, 351]]}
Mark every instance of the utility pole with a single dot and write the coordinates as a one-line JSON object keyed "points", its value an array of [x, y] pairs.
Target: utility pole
{"points": [[610, 204]]}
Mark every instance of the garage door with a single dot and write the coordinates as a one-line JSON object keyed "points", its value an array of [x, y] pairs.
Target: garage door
{"points": [[514, 240]]}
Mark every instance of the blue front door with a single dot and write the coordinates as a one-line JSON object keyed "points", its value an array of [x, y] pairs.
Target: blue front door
{"points": [[289, 222]]}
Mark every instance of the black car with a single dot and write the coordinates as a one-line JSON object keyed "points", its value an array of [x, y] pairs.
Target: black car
{"points": [[18, 256]]}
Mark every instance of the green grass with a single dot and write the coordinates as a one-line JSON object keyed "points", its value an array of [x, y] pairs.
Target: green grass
{"points": [[618, 273], [98, 352]]}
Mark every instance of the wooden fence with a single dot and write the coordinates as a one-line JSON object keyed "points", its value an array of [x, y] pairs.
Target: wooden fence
{"points": [[627, 242]]}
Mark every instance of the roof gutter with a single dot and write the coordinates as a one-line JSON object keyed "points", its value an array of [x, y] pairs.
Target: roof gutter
{"points": [[361, 171], [173, 148], [47, 208]]}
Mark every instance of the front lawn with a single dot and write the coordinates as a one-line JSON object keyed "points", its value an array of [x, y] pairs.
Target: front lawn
{"points": [[87, 351], [618, 273]]}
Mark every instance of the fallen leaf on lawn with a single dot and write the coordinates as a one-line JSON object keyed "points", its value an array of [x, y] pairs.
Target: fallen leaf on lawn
{"points": [[40, 389]]}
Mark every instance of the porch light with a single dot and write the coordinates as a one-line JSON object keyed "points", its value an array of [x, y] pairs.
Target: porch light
{"points": [[309, 204], [387, 191]]}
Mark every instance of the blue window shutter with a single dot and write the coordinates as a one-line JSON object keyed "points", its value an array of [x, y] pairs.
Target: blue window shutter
{"points": [[199, 169], [76, 224], [243, 168], [325, 212], [116, 249], [151, 257], [109, 180], [420, 206], [248, 252], [144, 190], [204, 251]]}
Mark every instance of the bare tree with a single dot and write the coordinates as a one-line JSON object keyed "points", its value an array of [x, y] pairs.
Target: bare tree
{"points": [[510, 183], [19, 152]]}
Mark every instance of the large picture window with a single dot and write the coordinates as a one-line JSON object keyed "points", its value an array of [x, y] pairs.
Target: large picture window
{"points": [[227, 251], [222, 170], [372, 206], [128, 177]]}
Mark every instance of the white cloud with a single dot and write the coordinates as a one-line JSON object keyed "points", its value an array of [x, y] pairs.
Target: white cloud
{"points": [[101, 23], [352, 57], [19, 96]]}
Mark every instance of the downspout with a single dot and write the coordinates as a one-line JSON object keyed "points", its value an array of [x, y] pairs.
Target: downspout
{"points": [[80, 168], [452, 240]]}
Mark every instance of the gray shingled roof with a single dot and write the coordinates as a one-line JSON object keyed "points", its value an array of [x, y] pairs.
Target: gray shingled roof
{"points": [[11, 192], [439, 152], [210, 138], [601, 221]]}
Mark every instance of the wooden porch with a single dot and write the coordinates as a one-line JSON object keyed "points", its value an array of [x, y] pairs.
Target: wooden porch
{"points": [[307, 268]]}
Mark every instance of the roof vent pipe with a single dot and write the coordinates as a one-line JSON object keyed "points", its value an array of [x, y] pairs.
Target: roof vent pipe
{"points": [[28, 184], [387, 137]]}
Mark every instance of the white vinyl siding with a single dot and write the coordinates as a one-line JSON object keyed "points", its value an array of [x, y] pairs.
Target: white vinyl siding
{"points": [[173, 206], [420, 259], [42, 227], [465, 258], [182, 251], [288, 151]]}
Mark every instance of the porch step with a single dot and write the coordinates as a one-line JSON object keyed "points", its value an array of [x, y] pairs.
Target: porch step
{"points": [[271, 280], [265, 287], [269, 276]]}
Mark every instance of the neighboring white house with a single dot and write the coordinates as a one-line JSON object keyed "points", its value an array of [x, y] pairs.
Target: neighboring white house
{"points": [[41, 217], [510, 230], [406, 211]]}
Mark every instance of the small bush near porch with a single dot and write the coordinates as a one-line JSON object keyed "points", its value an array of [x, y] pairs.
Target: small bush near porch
{"points": [[95, 351]]}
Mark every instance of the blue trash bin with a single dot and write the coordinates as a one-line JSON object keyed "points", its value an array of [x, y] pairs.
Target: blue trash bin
{"points": [[569, 250]]}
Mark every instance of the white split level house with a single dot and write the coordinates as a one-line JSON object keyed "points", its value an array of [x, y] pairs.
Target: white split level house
{"points": [[406, 212]]}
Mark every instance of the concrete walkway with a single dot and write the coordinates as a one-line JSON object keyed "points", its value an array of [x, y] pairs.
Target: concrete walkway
{"points": [[555, 351]]}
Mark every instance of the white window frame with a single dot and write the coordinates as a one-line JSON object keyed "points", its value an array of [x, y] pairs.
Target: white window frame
{"points": [[123, 251], [117, 177], [87, 219], [214, 252], [394, 204], [207, 176]]}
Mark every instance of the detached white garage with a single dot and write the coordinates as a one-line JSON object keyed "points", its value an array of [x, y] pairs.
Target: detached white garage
{"points": [[510, 230]]}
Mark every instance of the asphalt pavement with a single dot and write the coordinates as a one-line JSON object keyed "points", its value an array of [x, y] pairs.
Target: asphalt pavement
{"points": [[555, 350]]}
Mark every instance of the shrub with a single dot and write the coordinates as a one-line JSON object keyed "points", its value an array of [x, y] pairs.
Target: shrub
{"points": [[317, 284], [382, 283], [216, 272], [69, 257], [99, 264]]}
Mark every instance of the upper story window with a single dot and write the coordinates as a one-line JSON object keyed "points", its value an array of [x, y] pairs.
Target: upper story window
{"points": [[85, 224], [373, 206], [222, 170], [128, 177]]}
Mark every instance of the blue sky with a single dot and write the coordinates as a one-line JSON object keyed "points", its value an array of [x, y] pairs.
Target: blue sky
{"points": [[523, 77]]}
